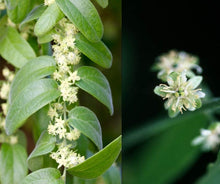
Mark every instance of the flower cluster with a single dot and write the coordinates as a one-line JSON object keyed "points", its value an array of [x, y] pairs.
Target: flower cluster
{"points": [[176, 62], [208, 138], [2, 5], [4, 92], [181, 89], [64, 156], [66, 56]]}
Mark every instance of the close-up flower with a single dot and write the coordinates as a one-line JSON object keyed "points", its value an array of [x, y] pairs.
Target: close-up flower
{"points": [[180, 93]]}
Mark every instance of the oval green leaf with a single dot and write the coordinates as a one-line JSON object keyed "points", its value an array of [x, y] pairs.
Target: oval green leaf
{"points": [[33, 15], [33, 97], [102, 3], [84, 16], [48, 20], [87, 123], [97, 52], [17, 10], [45, 144], [15, 49], [98, 163], [95, 83], [46, 37], [13, 166], [44, 176], [35, 69]]}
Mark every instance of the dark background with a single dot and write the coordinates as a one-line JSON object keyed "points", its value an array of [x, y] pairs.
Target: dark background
{"points": [[151, 28]]}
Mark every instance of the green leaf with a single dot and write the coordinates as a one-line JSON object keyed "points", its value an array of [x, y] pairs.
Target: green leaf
{"points": [[46, 37], [98, 163], [87, 123], [97, 52], [17, 10], [48, 20], [35, 69], [102, 3], [45, 144], [15, 49], [112, 175], [3, 27], [44, 176], [212, 174], [22, 140], [13, 166], [169, 154], [33, 97], [84, 16], [33, 15], [95, 83], [40, 121]]}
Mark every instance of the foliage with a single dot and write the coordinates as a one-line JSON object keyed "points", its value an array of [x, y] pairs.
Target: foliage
{"points": [[45, 88]]}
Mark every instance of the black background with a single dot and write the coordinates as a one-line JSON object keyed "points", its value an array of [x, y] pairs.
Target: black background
{"points": [[151, 28]]}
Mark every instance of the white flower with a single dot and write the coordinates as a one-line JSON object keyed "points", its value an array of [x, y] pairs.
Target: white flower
{"points": [[180, 93], [58, 128], [176, 62], [4, 91], [52, 112], [66, 157], [4, 108], [73, 135], [209, 138], [73, 77], [13, 139]]}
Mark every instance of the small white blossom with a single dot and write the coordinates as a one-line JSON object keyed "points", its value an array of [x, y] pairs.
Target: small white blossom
{"points": [[66, 157], [52, 112], [209, 138], [13, 139], [4, 91], [4, 108], [73, 135], [181, 94], [58, 128]]}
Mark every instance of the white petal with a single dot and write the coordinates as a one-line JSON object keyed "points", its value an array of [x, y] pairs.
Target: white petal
{"points": [[198, 140], [195, 81], [200, 94], [205, 132]]}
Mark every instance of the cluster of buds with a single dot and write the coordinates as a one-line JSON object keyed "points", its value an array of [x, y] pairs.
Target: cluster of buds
{"points": [[64, 156], [2, 5], [4, 92], [209, 138], [66, 56], [176, 62], [181, 92]]}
